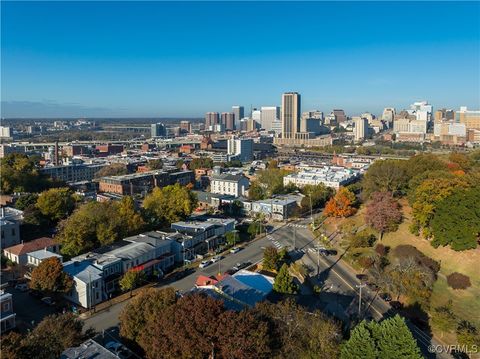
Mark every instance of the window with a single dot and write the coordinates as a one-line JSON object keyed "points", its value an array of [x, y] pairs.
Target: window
{"points": [[6, 307], [13, 231]]}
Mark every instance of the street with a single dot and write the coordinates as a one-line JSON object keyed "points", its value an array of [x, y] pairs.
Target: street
{"points": [[340, 287]]}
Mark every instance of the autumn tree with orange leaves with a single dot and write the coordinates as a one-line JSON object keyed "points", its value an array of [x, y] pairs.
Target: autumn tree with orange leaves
{"points": [[342, 204]]}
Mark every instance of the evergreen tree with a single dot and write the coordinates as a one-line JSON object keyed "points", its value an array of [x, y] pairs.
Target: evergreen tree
{"points": [[284, 282], [395, 341], [360, 345]]}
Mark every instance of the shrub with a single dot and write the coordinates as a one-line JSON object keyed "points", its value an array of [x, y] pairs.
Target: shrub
{"points": [[381, 249], [458, 281]]}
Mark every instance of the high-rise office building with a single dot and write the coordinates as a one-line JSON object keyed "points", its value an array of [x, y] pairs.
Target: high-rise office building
{"points": [[238, 114], [228, 120], [388, 116], [312, 114], [422, 110], [470, 118], [256, 115], [269, 115], [5, 132], [291, 111], [361, 128], [211, 119], [340, 116], [158, 130]]}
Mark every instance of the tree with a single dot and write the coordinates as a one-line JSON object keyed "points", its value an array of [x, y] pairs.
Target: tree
{"points": [[383, 212], [127, 213], [131, 279], [115, 169], [386, 176], [296, 333], [200, 162], [390, 339], [394, 340], [94, 224], [26, 200], [19, 174], [341, 205], [155, 164], [50, 277], [467, 335], [270, 258], [456, 221], [361, 344], [255, 228], [187, 329], [458, 281], [462, 160], [284, 282], [56, 203], [145, 307], [318, 194], [232, 238], [256, 192], [443, 318], [48, 339], [242, 336], [169, 204], [427, 197]]}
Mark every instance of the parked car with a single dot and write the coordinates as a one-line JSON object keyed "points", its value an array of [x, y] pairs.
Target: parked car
{"points": [[386, 297], [22, 287], [396, 305], [241, 266], [119, 349], [372, 286], [216, 259], [235, 250], [205, 263], [362, 277], [48, 301]]}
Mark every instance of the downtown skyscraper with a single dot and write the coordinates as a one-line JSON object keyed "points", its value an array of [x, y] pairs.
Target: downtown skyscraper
{"points": [[291, 112]]}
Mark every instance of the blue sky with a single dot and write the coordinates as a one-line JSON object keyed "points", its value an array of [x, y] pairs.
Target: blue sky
{"points": [[161, 59]]}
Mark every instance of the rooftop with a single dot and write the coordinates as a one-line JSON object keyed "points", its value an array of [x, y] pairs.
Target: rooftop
{"points": [[83, 270], [228, 177], [35, 245], [89, 349], [43, 254]]}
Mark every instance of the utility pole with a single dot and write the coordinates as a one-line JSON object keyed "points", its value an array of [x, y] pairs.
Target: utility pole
{"points": [[361, 285], [294, 238], [311, 210]]}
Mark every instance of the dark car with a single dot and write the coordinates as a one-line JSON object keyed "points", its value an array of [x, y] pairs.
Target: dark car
{"points": [[386, 297], [241, 266], [362, 277], [396, 305]]}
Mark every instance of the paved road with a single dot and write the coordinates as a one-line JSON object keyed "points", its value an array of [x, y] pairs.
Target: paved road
{"points": [[334, 276]]}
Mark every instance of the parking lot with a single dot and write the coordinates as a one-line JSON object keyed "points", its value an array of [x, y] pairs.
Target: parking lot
{"points": [[29, 309]]}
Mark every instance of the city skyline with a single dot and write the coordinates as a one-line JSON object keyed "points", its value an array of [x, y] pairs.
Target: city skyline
{"points": [[183, 60]]}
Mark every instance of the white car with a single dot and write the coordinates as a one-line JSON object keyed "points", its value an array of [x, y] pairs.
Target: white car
{"points": [[235, 250], [204, 264], [216, 259]]}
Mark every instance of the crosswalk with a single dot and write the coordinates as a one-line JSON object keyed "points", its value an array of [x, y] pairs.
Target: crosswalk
{"points": [[297, 225], [276, 243], [307, 250]]}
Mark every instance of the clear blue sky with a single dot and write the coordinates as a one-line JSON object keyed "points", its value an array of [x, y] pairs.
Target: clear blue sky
{"points": [[166, 59]]}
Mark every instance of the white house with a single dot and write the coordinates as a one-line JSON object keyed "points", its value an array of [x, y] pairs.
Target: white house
{"points": [[235, 185]]}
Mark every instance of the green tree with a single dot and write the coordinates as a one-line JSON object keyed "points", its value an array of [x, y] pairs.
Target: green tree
{"points": [[26, 200], [50, 277], [467, 334], [56, 203], [256, 192], [386, 176], [443, 318], [284, 282], [361, 344], [145, 307], [456, 221], [427, 196], [270, 258], [131, 279], [20, 174], [390, 339], [232, 238], [169, 204], [133, 220], [318, 194], [394, 340], [200, 162]]}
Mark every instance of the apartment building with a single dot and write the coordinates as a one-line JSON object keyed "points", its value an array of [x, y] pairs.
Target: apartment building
{"points": [[7, 316], [225, 183], [330, 176]]}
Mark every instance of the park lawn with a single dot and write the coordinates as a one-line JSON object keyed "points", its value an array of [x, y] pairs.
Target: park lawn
{"points": [[465, 303]]}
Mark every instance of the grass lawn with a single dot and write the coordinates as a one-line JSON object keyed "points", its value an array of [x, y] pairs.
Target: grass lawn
{"points": [[466, 303]]}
